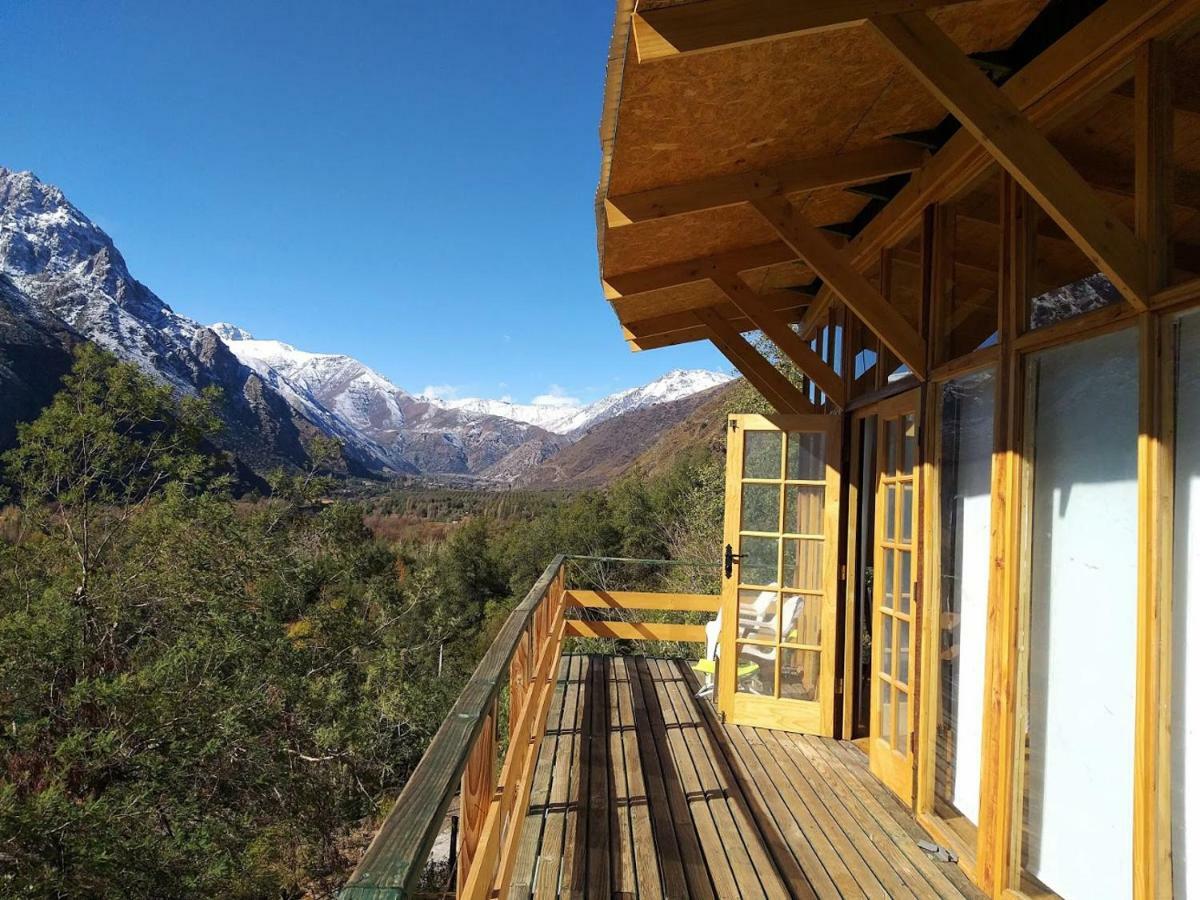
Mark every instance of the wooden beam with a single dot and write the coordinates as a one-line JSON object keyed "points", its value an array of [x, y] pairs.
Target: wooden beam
{"points": [[1153, 121], [1000, 127], [702, 25], [767, 380], [787, 305], [790, 344], [697, 269], [658, 307], [842, 277], [856, 167], [1046, 89]]}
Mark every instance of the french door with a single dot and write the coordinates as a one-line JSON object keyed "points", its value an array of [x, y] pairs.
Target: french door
{"points": [[779, 594], [894, 595]]}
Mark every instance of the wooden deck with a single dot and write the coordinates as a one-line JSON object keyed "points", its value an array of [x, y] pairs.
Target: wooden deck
{"points": [[640, 792]]}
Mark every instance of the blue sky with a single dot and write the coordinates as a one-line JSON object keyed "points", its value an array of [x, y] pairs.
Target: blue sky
{"points": [[407, 183]]}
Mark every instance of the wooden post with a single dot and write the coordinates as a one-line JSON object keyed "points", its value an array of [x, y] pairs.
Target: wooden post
{"points": [[1153, 121], [1003, 738], [478, 785]]}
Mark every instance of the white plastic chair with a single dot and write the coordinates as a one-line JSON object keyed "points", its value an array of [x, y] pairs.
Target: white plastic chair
{"points": [[762, 620]]}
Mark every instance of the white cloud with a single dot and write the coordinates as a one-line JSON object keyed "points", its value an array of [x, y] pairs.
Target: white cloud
{"points": [[556, 395], [440, 391]]}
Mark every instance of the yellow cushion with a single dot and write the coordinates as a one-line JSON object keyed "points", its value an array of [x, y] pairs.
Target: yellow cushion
{"points": [[709, 667]]}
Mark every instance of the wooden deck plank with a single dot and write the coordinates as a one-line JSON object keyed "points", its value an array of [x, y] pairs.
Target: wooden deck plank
{"points": [[829, 857], [920, 873], [624, 880], [667, 839], [639, 791], [870, 841], [550, 855], [785, 841], [710, 860], [897, 815], [705, 796], [644, 854], [755, 870], [539, 795], [574, 850], [848, 851]]}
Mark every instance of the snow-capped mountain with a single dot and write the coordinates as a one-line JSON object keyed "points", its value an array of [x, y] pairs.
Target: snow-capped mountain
{"points": [[468, 436], [65, 267], [572, 418], [64, 280]]}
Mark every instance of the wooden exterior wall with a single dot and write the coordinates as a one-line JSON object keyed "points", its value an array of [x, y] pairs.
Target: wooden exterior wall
{"points": [[1038, 205]]}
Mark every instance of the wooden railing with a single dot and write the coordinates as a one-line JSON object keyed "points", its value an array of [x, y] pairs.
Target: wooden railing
{"points": [[463, 757]]}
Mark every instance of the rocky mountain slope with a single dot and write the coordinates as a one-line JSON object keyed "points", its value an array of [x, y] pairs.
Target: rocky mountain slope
{"points": [[647, 439], [64, 280]]}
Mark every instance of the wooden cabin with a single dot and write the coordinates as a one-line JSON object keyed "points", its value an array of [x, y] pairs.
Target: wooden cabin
{"points": [[961, 567]]}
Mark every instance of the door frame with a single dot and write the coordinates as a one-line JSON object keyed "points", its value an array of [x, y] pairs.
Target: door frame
{"points": [[814, 717]]}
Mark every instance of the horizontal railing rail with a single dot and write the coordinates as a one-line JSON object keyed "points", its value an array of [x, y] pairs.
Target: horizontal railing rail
{"points": [[463, 757]]}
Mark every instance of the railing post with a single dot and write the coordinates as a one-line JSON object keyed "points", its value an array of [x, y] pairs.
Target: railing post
{"points": [[478, 785]]}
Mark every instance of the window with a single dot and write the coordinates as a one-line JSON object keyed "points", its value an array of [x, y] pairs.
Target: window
{"points": [[969, 250], [1078, 780], [1185, 687], [968, 407]]}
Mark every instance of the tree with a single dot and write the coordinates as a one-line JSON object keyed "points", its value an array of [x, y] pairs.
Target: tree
{"points": [[109, 441]]}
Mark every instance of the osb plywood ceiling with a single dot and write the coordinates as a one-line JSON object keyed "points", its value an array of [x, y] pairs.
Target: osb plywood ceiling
{"points": [[757, 105]]}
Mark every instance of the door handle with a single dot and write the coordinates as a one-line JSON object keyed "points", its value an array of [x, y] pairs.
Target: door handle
{"points": [[730, 559]]}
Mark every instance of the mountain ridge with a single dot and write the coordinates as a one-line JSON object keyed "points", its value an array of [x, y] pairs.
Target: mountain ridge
{"points": [[65, 280]]}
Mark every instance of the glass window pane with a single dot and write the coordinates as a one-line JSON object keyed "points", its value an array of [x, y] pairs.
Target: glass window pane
{"points": [[892, 432], [968, 408], [804, 509], [760, 561], [760, 507], [902, 651], [889, 577], [802, 564], [756, 615], [889, 512], [910, 443], [885, 711], [800, 674], [806, 456], [906, 585], [1185, 684], [885, 645], [901, 743], [972, 296], [802, 619], [762, 454], [906, 513], [1083, 617], [756, 669]]}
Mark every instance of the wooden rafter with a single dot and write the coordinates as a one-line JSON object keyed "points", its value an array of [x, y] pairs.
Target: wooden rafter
{"points": [[839, 274], [787, 305], [698, 269], [767, 380], [1000, 127], [782, 336], [701, 25], [856, 167]]}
